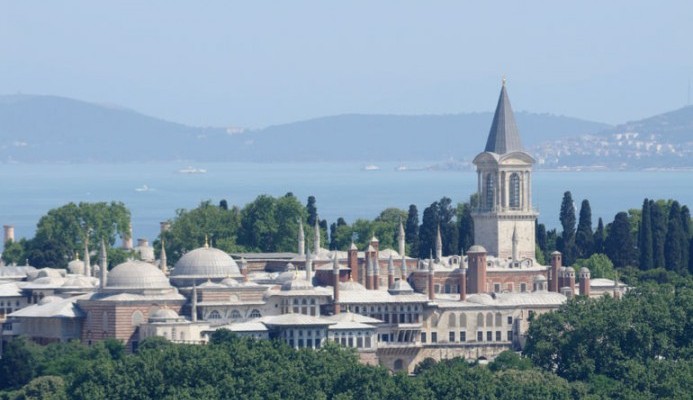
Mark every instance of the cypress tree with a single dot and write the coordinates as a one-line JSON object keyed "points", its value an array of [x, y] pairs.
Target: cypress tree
{"points": [[584, 241], [312, 211], [599, 237], [619, 244], [686, 225], [412, 231], [466, 228], [448, 226], [675, 240], [645, 237], [428, 230], [659, 233], [541, 236], [567, 218]]}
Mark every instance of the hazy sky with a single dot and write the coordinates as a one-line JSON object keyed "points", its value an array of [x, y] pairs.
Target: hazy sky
{"points": [[259, 63]]}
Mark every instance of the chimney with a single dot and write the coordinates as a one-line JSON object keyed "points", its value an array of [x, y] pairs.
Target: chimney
{"points": [[301, 239], [376, 274], [335, 284], [390, 273], [375, 243], [369, 273], [463, 282], [439, 245], [142, 243], [431, 288], [9, 233], [104, 265], [353, 262], [164, 227], [553, 271], [194, 303], [476, 256], [570, 278], [585, 282], [402, 239], [127, 240], [244, 269]]}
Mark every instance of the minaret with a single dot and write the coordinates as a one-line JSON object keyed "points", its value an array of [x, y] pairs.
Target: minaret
{"points": [[402, 239], [309, 266], [301, 239], [335, 284], [87, 261], [554, 269], [431, 293], [244, 269], [163, 260], [463, 281], [514, 239], [376, 273], [369, 273], [193, 312], [103, 261], [439, 245], [353, 262], [390, 273], [316, 241], [405, 273]]}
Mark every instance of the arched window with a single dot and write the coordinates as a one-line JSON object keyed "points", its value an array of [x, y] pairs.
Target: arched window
{"points": [[399, 364], [514, 191], [489, 319], [255, 314], [490, 190], [480, 320], [463, 321], [235, 315], [499, 319], [452, 320], [137, 318], [104, 322], [214, 315]]}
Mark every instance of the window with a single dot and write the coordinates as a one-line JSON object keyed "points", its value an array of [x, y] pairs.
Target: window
{"points": [[499, 319], [463, 336], [423, 337], [255, 314], [452, 320], [480, 336], [498, 336], [399, 364], [480, 320], [214, 315], [489, 319], [434, 337], [510, 320], [235, 315], [137, 318], [463, 320], [514, 191], [497, 287], [490, 188], [489, 336], [523, 287], [452, 337], [510, 336]]}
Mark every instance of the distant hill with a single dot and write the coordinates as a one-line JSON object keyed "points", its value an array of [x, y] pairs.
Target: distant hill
{"points": [[661, 141], [57, 129]]}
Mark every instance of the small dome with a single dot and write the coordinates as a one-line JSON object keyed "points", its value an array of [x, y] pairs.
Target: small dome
{"points": [[206, 262], [164, 314], [351, 285], [539, 278], [76, 266], [476, 249], [49, 299], [78, 281], [584, 270], [230, 282], [481, 298], [137, 275]]}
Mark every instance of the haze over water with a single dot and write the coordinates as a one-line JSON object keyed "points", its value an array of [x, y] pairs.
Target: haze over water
{"points": [[342, 189]]}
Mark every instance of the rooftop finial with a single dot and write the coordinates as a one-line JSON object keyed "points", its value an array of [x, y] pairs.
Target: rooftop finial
{"points": [[206, 242], [503, 80]]}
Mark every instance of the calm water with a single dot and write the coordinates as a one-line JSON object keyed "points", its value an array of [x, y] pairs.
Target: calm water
{"points": [[341, 189]]}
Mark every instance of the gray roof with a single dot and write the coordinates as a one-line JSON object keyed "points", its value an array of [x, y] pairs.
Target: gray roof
{"points": [[504, 136]]}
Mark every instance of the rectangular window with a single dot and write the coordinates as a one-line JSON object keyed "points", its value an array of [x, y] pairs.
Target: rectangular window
{"points": [[510, 320], [423, 337], [510, 336], [300, 342], [368, 342], [489, 336], [309, 342], [359, 342], [480, 336], [523, 287], [497, 287], [434, 337], [498, 336], [452, 337], [463, 336]]}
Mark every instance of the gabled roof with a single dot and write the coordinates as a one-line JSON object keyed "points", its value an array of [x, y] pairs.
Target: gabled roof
{"points": [[504, 136]]}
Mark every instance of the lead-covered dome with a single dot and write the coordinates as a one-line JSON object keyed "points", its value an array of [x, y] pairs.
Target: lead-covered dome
{"points": [[205, 263], [136, 275]]}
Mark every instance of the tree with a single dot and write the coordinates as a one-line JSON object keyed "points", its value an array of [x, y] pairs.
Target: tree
{"points": [[428, 230], [619, 243], [64, 231], [676, 244], [600, 266], [686, 225], [312, 211], [659, 233], [14, 252], [466, 226], [448, 226], [645, 237], [584, 241], [190, 227], [412, 231], [541, 236], [567, 217], [18, 363], [223, 204], [599, 237]]}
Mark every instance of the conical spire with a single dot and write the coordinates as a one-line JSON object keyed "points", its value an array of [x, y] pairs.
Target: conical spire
{"points": [[301, 239], [103, 261], [439, 245], [163, 259], [402, 238], [504, 136], [316, 244], [309, 266]]}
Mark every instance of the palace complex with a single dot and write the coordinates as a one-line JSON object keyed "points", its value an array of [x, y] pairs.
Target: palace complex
{"points": [[394, 310]]}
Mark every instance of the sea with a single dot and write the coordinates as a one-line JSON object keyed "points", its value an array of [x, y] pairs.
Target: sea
{"points": [[154, 191]]}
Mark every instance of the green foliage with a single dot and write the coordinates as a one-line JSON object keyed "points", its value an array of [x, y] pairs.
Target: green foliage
{"points": [[584, 240], [411, 229], [14, 252], [63, 231], [18, 363], [567, 217], [510, 360], [676, 244], [619, 243], [466, 226], [645, 244], [600, 266]]}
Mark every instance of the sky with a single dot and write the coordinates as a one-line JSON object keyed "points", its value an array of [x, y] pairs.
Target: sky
{"points": [[259, 63]]}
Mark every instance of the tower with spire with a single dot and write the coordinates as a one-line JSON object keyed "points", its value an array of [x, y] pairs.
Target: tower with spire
{"points": [[504, 172]]}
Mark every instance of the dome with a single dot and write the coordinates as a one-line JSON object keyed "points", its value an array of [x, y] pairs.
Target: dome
{"points": [[136, 275], [230, 282], [476, 249], [351, 285], [164, 314], [76, 266], [205, 262], [481, 298], [49, 299], [539, 278]]}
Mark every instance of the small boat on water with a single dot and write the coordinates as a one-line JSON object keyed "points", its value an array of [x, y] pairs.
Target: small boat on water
{"points": [[371, 167], [143, 188], [192, 170]]}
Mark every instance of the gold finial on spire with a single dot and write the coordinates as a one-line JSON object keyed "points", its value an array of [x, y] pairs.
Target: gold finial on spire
{"points": [[206, 242], [77, 255], [503, 80]]}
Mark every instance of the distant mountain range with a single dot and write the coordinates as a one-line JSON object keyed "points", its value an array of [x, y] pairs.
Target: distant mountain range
{"points": [[57, 129]]}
